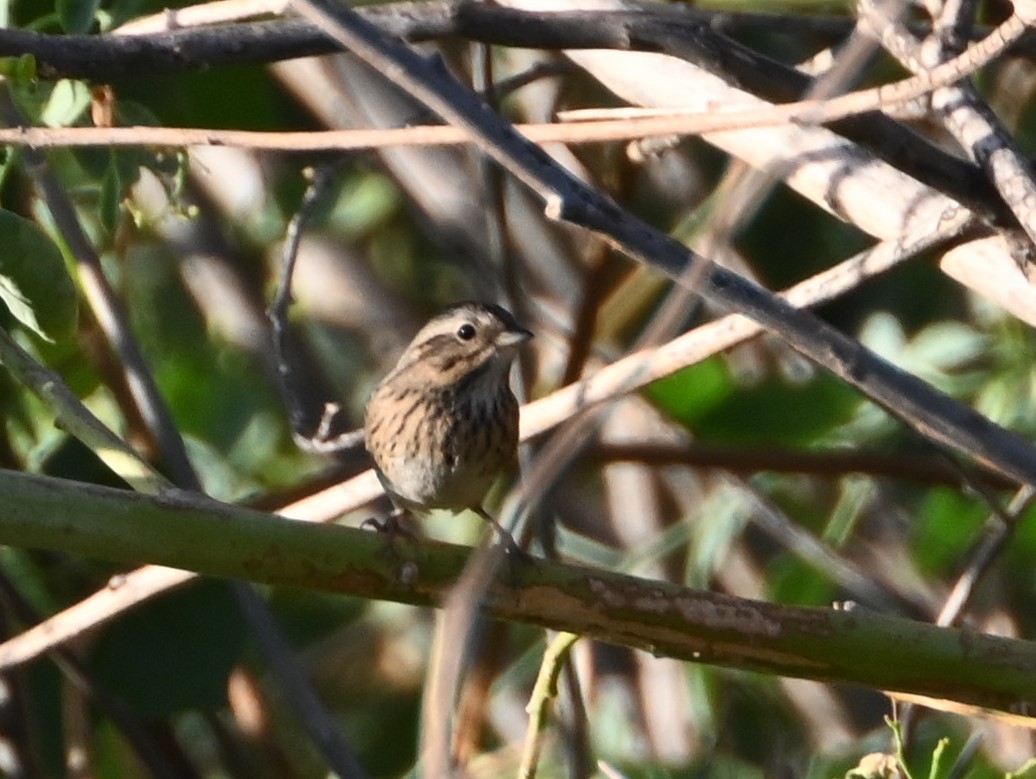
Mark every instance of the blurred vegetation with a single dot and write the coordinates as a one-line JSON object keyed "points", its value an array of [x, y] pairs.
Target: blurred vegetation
{"points": [[191, 247]]}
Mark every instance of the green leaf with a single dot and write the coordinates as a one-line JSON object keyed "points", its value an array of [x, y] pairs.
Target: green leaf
{"points": [[77, 16], [67, 102], [691, 393], [706, 399], [944, 527], [20, 69], [34, 282]]}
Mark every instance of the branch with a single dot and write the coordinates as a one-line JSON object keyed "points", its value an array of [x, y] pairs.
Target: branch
{"points": [[924, 468], [884, 653]]}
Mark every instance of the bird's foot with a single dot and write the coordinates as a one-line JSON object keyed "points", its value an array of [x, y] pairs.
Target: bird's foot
{"points": [[511, 547], [392, 525]]}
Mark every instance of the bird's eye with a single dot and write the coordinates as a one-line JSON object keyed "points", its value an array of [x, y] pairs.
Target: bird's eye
{"points": [[466, 331]]}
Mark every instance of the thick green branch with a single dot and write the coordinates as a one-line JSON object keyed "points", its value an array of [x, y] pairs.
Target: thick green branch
{"points": [[181, 531]]}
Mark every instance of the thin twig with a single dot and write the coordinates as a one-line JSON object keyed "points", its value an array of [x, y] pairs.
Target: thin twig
{"points": [[321, 437], [316, 720], [450, 654], [833, 463], [980, 558], [74, 418], [541, 700], [132, 727], [816, 553], [680, 122]]}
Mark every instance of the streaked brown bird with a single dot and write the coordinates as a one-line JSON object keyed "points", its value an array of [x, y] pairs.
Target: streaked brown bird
{"points": [[443, 425]]}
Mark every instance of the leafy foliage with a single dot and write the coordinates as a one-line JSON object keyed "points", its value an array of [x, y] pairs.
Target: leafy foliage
{"points": [[34, 283]]}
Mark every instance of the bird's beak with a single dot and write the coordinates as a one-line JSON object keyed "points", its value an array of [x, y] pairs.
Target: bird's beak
{"points": [[512, 338]]}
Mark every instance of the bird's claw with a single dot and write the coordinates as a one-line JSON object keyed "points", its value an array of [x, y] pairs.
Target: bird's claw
{"points": [[390, 525]]}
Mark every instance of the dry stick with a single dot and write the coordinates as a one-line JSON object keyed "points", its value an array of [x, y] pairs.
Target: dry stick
{"points": [[934, 415], [996, 533], [160, 425], [623, 376], [674, 122], [661, 122], [450, 650]]}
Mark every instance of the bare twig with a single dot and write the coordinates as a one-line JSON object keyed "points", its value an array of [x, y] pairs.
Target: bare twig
{"points": [[833, 463], [315, 718], [323, 437], [816, 553], [153, 754], [450, 651]]}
